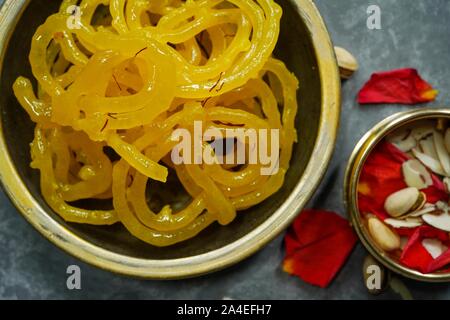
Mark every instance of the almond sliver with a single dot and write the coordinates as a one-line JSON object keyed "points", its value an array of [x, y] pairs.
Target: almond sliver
{"points": [[408, 223], [403, 140], [428, 147], [443, 155], [441, 221], [416, 175], [418, 213], [423, 130], [432, 164], [434, 247]]}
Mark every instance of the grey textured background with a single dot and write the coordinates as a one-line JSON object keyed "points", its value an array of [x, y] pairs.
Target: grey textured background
{"points": [[415, 33]]}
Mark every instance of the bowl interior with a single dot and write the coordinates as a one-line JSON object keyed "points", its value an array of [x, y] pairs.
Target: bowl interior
{"points": [[295, 48]]}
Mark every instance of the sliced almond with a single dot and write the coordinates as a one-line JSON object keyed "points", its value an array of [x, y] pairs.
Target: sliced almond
{"points": [[426, 128], [439, 221], [446, 182], [428, 147], [386, 239], [443, 206], [416, 175], [434, 247], [407, 223], [429, 162], [403, 201], [442, 152], [428, 208], [402, 139]]}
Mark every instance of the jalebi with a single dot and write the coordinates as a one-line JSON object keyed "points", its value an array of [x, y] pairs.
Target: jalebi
{"points": [[117, 78]]}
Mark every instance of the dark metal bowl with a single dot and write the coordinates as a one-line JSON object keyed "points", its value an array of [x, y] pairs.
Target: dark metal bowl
{"points": [[304, 46]]}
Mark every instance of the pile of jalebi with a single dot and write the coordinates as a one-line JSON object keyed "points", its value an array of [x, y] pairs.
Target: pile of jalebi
{"points": [[124, 76]]}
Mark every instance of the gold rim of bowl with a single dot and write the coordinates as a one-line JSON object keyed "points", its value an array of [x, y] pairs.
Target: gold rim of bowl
{"points": [[216, 259]]}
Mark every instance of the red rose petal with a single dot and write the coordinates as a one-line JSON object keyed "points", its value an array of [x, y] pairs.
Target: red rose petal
{"points": [[416, 257], [437, 191], [380, 177], [426, 231], [313, 225], [406, 232], [403, 86], [317, 245], [414, 254]]}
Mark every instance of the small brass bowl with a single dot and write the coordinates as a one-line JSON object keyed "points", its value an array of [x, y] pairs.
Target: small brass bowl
{"points": [[354, 167], [306, 49]]}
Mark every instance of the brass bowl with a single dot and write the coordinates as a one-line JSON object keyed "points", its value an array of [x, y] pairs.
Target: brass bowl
{"points": [[304, 46], [354, 167]]}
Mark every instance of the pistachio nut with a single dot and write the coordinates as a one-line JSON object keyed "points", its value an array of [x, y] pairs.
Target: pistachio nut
{"points": [[404, 201], [346, 61], [383, 236], [416, 175], [400, 288]]}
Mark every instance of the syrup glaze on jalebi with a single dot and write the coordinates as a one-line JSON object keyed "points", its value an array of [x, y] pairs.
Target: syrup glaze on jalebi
{"points": [[125, 77]]}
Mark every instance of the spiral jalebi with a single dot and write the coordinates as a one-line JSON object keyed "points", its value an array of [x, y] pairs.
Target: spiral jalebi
{"points": [[125, 76]]}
